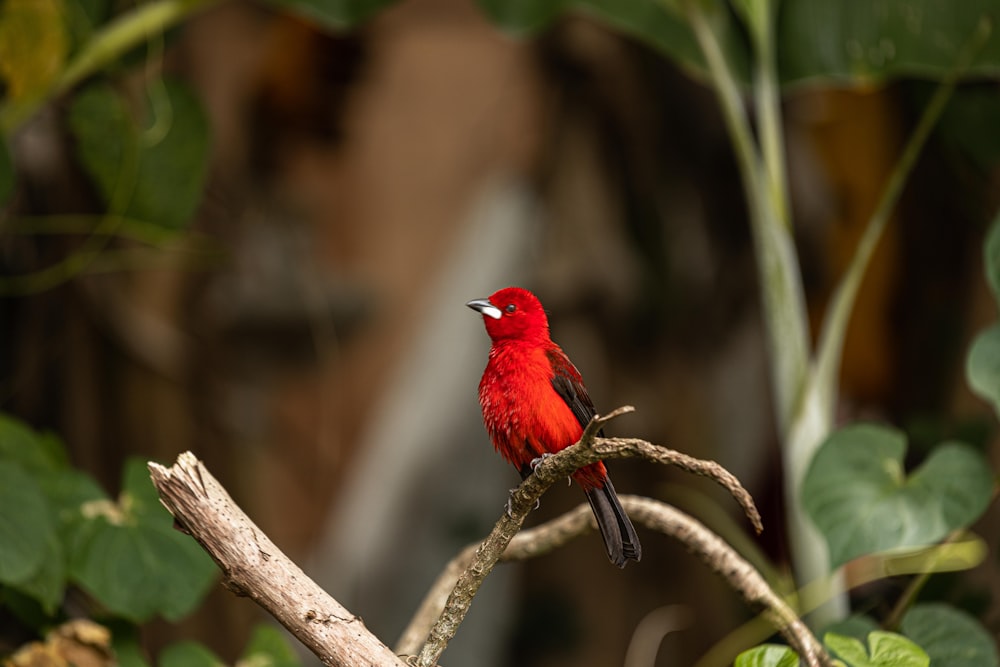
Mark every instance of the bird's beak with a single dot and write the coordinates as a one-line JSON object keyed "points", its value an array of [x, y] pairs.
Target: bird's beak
{"points": [[485, 307]]}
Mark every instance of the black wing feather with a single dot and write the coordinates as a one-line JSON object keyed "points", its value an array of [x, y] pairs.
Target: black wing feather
{"points": [[566, 381]]}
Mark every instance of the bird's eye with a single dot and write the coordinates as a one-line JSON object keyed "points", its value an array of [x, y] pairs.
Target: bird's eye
{"points": [[510, 308]]}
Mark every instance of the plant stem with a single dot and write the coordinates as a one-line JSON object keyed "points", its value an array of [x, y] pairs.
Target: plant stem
{"points": [[800, 425], [777, 262], [767, 97]]}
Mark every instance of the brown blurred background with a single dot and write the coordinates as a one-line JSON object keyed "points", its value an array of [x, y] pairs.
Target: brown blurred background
{"points": [[363, 187]]}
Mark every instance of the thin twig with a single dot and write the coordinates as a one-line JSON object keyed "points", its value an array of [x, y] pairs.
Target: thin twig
{"points": [[616, 448]]}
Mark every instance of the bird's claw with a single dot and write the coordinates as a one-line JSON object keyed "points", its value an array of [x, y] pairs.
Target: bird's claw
{"points": [[538, 459], [508, 507]]}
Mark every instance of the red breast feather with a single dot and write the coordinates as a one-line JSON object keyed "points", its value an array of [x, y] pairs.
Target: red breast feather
{"points": [[524, 415]]}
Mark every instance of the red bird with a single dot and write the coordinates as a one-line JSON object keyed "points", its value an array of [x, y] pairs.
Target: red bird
{"points": [[534, 403]]}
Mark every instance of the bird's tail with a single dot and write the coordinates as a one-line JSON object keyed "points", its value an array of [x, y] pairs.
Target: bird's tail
{"points": [[619, 535]]}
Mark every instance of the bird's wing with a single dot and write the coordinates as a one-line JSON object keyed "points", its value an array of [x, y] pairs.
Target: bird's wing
{"points": [[568, 384]]}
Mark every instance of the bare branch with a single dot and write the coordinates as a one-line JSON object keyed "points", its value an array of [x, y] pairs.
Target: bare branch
{"points": [[616, 448], [253, 566], [523, 498], [591, 449], [653, 514]]}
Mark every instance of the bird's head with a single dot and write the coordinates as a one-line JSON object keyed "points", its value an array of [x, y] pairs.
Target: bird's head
{"points": [[512, 313]]}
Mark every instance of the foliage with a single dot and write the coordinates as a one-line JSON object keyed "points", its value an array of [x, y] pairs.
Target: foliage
{"points": [[859, 496], [885, 649], [149, 170], [67, 533], [983, 363], [948, 638], [124, 552]]}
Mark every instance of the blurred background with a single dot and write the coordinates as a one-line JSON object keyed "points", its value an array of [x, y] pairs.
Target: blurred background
{"points": [[307, 338]]}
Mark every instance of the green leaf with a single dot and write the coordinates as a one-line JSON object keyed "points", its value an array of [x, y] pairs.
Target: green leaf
{"points": [[991, 257], [26, 525], [69, 493], [667, 31], [982, 365], [130, 558], [48, 584], [521, 16], [269, 648], [125, 642], [35, 452], [143, 500], [885, 649], [861, 41], [951, 637], [333, 14], [33, 46], [858, 495], [152, 169], [767, 655], [188, 654], [858, 626]]}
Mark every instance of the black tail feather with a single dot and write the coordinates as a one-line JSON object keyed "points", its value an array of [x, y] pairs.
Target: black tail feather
{"points": [[620, 540]]}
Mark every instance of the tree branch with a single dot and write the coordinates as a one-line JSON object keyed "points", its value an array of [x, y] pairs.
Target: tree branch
{"points": [[253, 566], [653, 514], [588, 450]]}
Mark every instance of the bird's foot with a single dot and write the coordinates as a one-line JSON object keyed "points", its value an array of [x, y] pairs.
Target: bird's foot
{"points": [[538, 459], [510, 499]]}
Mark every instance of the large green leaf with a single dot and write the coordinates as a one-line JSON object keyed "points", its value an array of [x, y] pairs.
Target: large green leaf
{"points": [[863, 41], [152, 168], [26, 525], [334, 14], [885, 649], [661, 29], [268, 646], [656, 24], [767, 655], [951, 637], [130, 558], [189, 654], [858, 626], [521, 16], [851, 41], [982, 366], [33, 468], [33, 451], [861, 499], [991, 257], [48, 584]]}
